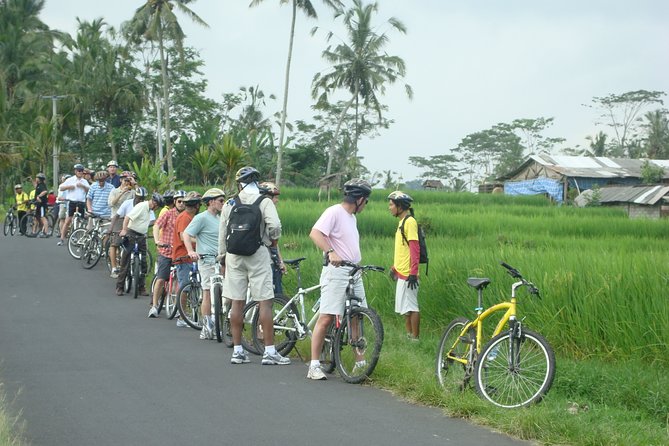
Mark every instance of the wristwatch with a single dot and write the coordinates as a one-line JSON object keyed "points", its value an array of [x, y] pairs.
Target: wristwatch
{"points": [[329, 251]]}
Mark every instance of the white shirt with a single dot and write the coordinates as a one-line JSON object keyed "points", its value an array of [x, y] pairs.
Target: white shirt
{"points": [[79, 192], [140, 217]]}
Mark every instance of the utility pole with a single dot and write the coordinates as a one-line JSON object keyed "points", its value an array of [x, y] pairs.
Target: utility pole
{"points": [[56, 154]]}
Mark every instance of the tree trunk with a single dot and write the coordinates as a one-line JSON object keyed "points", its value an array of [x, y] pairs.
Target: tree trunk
{"points": [[336, 135], [166, 100], [284, 110]]}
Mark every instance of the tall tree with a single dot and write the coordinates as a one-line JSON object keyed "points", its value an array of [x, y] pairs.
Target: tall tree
{"points": [[657, 134], [155, 21], [360, 66], [307, 7]]}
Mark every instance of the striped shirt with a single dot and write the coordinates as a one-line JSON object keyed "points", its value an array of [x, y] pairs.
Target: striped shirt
{"points": [[99, 196]]}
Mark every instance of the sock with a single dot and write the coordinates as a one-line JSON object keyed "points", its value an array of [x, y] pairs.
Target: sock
{"points": [[270, 349], [314, 363], [238, 349]]}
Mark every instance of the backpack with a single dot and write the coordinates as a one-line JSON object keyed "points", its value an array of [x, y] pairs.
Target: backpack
{"points": [[243, 230], [423, 258]]}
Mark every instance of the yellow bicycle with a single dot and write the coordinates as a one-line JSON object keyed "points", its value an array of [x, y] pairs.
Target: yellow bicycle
{"points": [[514, 368]]}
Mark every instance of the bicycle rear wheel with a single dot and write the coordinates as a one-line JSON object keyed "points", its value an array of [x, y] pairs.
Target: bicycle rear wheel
{"points": [[51, 222], [189, 306], [327, 351], [135, 269], [7, 226], [32, 225], [219, 315], [451, 373], [515, 371], [226, 328], [171, 305], [358, 346], [14, 225], [248, 315], [91, 252], [75, 243], [284, 327]]}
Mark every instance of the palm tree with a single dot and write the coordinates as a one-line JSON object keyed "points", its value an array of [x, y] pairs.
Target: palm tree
{"points": [[155, 21], [205, 160], [360, 66], [657, 134], [308, 8]]}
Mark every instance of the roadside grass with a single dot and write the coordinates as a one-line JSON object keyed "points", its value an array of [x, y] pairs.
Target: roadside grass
{"points": [[11, 427]]}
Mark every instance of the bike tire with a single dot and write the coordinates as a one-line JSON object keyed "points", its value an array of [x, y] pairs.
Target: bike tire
{"points": [[217, 298], [14, 225], [75, 243], [161, 298], [284, 338], [452, 374], [105, 247], [189, 306], [171, 305], [248, 314], [327, 360], [226, 327], [7, 226], [135, 269], [30, 226], [51, 222], [352, 343], [92, 252], [521, 384]]}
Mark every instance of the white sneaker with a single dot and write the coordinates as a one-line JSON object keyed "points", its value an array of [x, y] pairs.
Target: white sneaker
{"points": [[181, 323], [153, 312], [275, 359], [316, 373], [206, 333]]}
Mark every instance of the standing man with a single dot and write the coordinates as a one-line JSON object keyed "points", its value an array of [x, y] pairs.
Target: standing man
{"points": [[114, 178], [191, 207], [163, 233], [204, 230], [405, 263], [247, 261], [41, 207], [135, 227], [336, 234], [117, 197], [22, 200], [77, 188], [278, 267], [97, 199]]}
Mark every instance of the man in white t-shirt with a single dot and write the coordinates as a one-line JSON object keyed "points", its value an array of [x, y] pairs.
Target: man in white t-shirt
{"points": [[77, 188], [336, 234]]}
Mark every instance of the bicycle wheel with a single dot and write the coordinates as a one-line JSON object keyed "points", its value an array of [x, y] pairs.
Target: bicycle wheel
{"points": [[51, 222], [105, 248], [91, 252], [451, 373], [13, 225], [284, 327], [9, 222], [31, 225], [248, 314], [171, 306], [135, 271], [226, 328], [189, 306], [75, 243], [327, 351], [357, 348], [515, 371], [217, 299]]}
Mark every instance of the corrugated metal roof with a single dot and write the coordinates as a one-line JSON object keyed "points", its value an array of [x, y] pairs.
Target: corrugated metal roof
{"points": [[646, 195]]}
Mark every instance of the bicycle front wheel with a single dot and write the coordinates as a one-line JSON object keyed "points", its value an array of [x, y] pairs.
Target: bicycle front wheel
{"points": [[515, 371], [451, 373], [9, 222], [75, 243], [284, 327], [91, 252], [189, 306], [248, 315], [171, 305], [357, 347], [51, 222], [14, 224], [217, 298], [226, 329], [327, 351], [31, 224], [135, 272]]}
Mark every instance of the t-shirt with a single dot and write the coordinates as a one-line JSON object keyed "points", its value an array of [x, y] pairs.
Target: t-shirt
{"points": [[99, 197], [39, 188], [402, 259], [20, 199], [79, 192], [178, 247], [125, 208], [140, 217], [204, 228], [341, 230], [119, 196], [114, 181]]}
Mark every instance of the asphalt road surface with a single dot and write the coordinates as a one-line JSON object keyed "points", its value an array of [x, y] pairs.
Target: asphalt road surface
{"points": [[86, 367]]}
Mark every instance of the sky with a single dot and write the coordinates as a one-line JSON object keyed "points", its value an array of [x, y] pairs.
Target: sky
{"points": [[471, 63]]}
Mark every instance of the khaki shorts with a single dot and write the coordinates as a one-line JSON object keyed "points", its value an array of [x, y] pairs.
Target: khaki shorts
{"points": [[244, 272], [334, 281], [207, 269], [406, 299]]}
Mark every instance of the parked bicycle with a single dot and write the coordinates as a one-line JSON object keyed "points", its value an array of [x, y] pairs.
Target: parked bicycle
{"points": [[11, 221], [513, 369], [352, 343], [190, 297], [81, 237], [133, 277], [168, 295], [33, 223], [93, 247]]}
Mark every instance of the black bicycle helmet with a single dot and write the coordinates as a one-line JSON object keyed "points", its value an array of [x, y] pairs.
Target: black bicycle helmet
{"points": [[357, 188], [247, 174], [79, 167], [401, 199], [41, 176], [158, 199]]}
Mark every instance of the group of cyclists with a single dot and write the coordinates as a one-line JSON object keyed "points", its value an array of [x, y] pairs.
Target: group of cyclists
{"points": [[238, 235]]}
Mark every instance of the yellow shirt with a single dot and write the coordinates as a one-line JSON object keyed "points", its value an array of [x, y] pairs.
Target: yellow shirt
{"points": [[402, 260], [20, 198]]}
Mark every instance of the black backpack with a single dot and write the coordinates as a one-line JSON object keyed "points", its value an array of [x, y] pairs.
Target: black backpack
{"points": [[421, 243], [243, 230]]}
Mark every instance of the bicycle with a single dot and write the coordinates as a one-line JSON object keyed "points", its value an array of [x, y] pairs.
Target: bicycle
{"points": [[33, 224], [92, 249], [81, 237], [190, 297], [353, 341], [515, 368], [168, 295], [11, 221], [221, 309], [134, 274]]}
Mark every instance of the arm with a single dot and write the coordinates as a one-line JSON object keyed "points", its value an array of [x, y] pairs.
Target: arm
{"points": [[124, 231], [322, 242], [188, 242]]}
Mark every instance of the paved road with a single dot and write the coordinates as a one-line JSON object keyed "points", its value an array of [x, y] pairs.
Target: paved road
{"points": [[87, 367]]}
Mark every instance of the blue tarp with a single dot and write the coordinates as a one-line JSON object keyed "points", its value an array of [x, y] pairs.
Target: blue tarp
{"points": [[554, 188]]}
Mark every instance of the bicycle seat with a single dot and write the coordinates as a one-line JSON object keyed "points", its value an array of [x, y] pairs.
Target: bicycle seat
{"points": [[294, 262], [478, 283]]}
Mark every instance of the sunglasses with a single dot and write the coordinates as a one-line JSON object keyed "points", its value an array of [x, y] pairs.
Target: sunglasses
{"points": [[178, 201], [221, 200]]}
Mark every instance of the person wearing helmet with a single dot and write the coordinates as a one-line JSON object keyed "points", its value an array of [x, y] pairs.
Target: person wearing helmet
{"points": [[203, 230], [97, 199], [405, 262], [41, 206], [336, 234], [135, 227], [22, 201], [249, 266], [163, 233], [168, 198], [117, 199], [114, 178], [76, 188], [278, 268], [191, 204]]}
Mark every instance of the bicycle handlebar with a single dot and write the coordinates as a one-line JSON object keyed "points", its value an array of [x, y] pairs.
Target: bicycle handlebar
{"points": [[513, 272], [357, 267]]}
